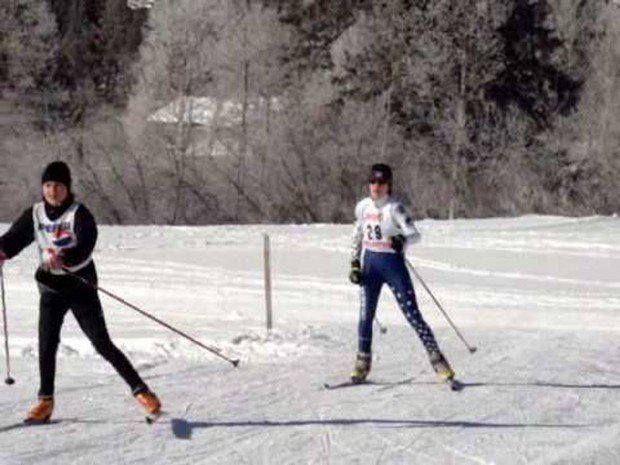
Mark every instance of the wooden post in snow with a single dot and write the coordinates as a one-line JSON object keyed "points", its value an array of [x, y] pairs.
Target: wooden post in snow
{"points": [[267, 272]]}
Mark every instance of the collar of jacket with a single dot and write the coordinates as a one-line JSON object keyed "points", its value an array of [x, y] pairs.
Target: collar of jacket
{"points": [[53, 212]]}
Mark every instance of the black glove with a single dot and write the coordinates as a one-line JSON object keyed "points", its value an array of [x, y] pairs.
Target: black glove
{"points": [[398, 243], [355, 276]]}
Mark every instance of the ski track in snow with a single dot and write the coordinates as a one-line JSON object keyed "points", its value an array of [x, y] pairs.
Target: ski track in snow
{"points": [[539, 296]]}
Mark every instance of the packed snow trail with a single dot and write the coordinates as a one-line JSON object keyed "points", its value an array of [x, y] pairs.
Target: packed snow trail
{"points": [[539, 296]]}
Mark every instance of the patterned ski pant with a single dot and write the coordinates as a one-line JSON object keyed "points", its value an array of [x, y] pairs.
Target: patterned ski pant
{"points": [[389, 268]]}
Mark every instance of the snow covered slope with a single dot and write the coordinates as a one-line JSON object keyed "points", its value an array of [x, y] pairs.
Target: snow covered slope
{"points": [[539, 296]]}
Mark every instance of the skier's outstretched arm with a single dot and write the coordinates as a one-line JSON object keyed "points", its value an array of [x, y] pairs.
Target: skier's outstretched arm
{"points": [[355, 275], [357, 234], [19, 235]]}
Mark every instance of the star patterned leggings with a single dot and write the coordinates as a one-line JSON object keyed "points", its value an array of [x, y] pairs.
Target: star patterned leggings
{"points": [[379, 268]]}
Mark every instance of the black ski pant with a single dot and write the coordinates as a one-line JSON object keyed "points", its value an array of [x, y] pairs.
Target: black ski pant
{"points": [[86, 307]]}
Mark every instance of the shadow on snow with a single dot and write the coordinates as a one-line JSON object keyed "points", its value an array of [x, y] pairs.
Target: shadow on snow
{"points": [[543, 384], [183, 429]]}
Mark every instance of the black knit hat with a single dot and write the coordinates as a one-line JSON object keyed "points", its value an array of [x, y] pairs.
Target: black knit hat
{"points": [[380, 172], [57, 171]]}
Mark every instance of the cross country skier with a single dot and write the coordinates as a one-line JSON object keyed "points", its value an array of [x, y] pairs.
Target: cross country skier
{"points": [[382, 231], [65, 232]]}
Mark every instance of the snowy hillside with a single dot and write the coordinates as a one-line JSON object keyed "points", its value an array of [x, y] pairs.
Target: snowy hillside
{"points": [[539, 296]]}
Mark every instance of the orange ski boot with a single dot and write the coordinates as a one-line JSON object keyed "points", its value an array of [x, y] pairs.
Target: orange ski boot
{"points": [[150, 403], [42, 412]]}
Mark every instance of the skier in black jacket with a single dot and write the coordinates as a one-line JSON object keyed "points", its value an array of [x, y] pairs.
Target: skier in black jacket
{"points": [[66, 233]]}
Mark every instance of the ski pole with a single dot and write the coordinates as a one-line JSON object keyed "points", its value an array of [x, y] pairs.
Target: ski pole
{"points": [[471, 349], [215, 350], [8, 380]]}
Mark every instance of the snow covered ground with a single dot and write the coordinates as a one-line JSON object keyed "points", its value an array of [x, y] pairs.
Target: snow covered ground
{"points": [[539, 296]]}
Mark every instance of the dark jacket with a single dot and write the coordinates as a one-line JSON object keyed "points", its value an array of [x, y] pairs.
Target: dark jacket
{"points": [[21, 234]]}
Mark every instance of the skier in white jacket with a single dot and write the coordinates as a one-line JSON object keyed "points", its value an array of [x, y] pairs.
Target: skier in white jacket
{"points": [[382, 231]]}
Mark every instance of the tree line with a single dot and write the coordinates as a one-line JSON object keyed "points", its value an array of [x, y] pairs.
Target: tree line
{"points": [[212, 111]]}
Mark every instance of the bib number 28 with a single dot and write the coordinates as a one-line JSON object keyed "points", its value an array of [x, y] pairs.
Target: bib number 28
{"points": [[374, 232]]}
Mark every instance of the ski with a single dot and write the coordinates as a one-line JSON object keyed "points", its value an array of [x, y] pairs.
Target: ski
{"points": [[345, 384], [31, 422], [454, 384], [151, 418], [24, 424], [381, 383]]}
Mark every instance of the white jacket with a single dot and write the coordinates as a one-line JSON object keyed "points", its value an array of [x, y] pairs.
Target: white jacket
{"points": [[377, 221]]}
